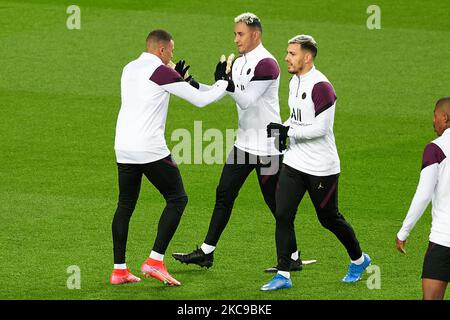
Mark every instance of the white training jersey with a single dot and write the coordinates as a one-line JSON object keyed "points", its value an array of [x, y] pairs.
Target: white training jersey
{"points": [[434, 186], [256, 76], [312, 104], [146, 86]]}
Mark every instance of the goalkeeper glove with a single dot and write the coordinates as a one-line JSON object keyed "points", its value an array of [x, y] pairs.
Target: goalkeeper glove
{"points": [[221, 74]]}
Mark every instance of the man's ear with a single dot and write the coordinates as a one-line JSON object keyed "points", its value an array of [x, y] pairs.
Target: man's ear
{"points": [[308, 57], [255, 35]]}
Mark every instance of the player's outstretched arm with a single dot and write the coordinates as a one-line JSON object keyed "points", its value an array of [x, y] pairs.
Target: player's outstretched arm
{"points": [[172, 82], [195, 96]]}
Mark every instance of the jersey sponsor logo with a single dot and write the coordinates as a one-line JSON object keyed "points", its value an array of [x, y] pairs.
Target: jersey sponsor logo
{"points": [[296, 114]]}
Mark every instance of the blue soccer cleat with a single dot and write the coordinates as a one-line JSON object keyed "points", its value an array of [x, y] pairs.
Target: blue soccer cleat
{"points": [[355, 271], [277, 282]]}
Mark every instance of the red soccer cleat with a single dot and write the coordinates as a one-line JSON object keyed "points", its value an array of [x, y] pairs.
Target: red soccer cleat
{"points": [[157, 269], [121, 276]]}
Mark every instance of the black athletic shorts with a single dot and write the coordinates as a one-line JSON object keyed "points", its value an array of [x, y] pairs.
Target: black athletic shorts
{"points": [[436, 264]]}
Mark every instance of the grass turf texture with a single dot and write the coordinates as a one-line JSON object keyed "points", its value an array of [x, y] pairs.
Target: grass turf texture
{"points": [[60, 95]]}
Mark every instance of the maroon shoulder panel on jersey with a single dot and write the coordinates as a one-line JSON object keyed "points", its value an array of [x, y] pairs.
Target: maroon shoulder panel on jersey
{"points": [[165, 75], [431, 155], [323, 96], [266, 69]]}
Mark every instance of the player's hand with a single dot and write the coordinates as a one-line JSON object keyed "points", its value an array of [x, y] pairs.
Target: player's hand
{"points": [[230, 61], [182, 69], [400, 245], [280, 133], [183, 72], [221, 68], [274, 129], [222, 74]]}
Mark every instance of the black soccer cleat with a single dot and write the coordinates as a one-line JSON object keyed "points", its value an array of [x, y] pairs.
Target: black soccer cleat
{"points": [[197, 257], [296, 265]]}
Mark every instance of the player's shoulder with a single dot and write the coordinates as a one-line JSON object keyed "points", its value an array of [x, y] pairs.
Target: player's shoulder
{"points": [[321, 82], [165, 75], [266, 67], [266, 56], [433, 153], [130, 65], [442, 142], [320, 77]]}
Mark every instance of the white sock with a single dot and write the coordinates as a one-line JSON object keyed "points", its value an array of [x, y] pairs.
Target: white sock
{"points": [[207, 249], [121, 266], [294, 256], [359, 261], [285, 274], [156, 256]]}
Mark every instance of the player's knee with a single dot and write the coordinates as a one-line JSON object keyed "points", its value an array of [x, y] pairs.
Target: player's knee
{"points": [[284, 216], [224, 198], [271, 204], [182, 202], [328, 222], [179, 202], [127, 205]]}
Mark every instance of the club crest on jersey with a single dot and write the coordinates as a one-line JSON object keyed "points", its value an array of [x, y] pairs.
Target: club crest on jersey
{"points": [[304, 95], [249, 70]]}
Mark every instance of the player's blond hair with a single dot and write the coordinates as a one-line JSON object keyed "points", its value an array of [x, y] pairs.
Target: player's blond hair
{"points": [[250, 19]]}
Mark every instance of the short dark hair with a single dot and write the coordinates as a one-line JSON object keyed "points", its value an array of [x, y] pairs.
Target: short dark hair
{"points": [[310, 47], [250, 19], [306, 42], [256, 24], [443, 102], [159, 35]]}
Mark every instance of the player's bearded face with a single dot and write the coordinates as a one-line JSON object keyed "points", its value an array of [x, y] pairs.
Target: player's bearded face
{"points": [[294, 58]]}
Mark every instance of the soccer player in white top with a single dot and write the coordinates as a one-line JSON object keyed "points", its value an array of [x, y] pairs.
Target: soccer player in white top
{"points": [[254, 83], [434, 186], [141, 149], [311, 162]]}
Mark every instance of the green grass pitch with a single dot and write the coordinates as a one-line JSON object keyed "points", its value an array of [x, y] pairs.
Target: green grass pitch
{"points": [[60, 95]]}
